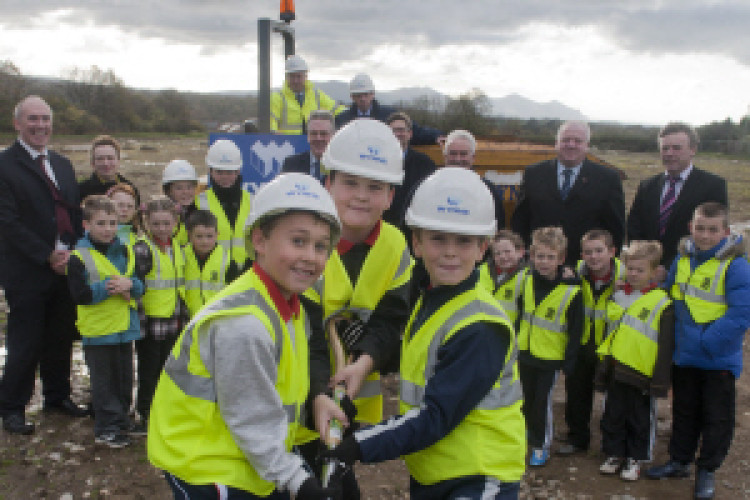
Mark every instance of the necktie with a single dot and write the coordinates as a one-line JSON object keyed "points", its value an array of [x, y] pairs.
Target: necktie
{"points": [[314, 168], [567, 184], [300, 98], [667, 203], [62, 216]]}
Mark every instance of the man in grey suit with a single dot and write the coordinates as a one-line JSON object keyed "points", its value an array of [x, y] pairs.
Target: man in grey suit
{"points": [[665, 202], [320, 129]]}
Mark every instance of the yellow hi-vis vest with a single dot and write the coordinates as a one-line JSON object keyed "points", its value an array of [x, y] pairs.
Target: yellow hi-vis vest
{"points": [[187, 435], [231, 238], [491, 440], [544, 327], [181, 235], [507, 293], [162, 281], [703, 290], [485, 277], [634, 340], [595, 310], [387, 266], [287, 117], [112, 315], [202, 284]]}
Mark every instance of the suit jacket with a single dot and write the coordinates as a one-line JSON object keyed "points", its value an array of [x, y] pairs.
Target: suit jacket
{"points": [[298, 163], [643, 220], [417, 166], [27, 217], [595, 201], [420, 135]]}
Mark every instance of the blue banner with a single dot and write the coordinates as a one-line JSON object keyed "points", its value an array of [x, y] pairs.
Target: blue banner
{"points": [[263, 155]]}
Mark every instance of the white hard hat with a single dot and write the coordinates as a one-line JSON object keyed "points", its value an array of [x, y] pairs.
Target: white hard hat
{"points": [[453, 200], [178, 170], [361, 84], [224, 155], [366, 148], [295, 64], [295, 191]]}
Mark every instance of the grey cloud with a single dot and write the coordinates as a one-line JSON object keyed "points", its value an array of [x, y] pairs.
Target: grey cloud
{"points": [[336, 31]]}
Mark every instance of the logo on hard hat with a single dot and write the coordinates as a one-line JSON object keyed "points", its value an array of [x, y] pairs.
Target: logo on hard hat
{"points": [[373, 153], [454, 201], [303, 190], [452, 206], [225, 159]]}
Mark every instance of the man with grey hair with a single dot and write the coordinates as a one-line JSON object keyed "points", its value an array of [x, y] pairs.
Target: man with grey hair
{"points": [[458, 151], [364, 105], [40, 222], [320, 129], [664, 203]]}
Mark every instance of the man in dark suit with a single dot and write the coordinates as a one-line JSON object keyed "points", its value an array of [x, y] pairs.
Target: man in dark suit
{"points": [[571, 192], [665, 202], [320, 129], [39, 224], [364, 105], [417, 166]]}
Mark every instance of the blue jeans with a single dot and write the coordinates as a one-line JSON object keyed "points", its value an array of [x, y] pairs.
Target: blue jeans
{"points": [[187, 491]]}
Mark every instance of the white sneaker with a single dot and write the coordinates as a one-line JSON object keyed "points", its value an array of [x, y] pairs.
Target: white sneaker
{"points": [[631, 471], [611, 465]]}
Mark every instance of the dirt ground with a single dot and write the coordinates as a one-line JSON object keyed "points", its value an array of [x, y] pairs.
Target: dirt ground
{"points": [[60, 461]]}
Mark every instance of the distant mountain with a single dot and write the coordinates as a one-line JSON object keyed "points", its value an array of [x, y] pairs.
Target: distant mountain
{"points": [[510, 106]]}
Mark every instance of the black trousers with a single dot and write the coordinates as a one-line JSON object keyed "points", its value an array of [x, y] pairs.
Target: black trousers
{"points": [[111, 373], [152, 354], [629, 422], [537, 386], [41, 330], [579, 397], [703, 409]]}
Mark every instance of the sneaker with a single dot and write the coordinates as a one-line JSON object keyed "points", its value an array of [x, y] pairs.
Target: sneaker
{"points": [[112, 440], [139, 428], [611, 465], [539, 457], [631, 470]]}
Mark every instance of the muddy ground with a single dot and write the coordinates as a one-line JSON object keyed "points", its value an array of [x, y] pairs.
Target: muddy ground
{"points": [[60, 461]]}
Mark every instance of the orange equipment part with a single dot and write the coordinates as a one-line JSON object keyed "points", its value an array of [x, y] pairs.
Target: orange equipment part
{"points": [[286, 11]]}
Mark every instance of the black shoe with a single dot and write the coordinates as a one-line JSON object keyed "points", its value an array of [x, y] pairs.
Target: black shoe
{"points": [[673, 468], [568, 449], [138, 428], [66, 407], [112, 440], [15, 423], [704, 484]]}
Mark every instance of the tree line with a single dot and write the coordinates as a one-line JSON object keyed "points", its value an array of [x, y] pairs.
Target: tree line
{"points": [[93, 100]]}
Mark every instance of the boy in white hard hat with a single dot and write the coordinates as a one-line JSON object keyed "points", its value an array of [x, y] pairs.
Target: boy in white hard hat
{"points": [[227, 200], [229, 401], [461, 431]]}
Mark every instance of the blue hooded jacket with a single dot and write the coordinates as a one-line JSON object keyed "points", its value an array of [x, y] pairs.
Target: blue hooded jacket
{"points": [[716, 345]]}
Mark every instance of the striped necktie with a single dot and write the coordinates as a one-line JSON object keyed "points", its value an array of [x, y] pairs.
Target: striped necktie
{"points": [[667, 203], [567, 184]]}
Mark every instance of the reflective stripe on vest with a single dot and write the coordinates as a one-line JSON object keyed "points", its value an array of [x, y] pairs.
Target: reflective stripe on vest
{"points": [[507, 293], [490, 440], [283, 125], [231, 238], [202, 284], [162, 281], [545, 337], [594, 308], [702, 289]]}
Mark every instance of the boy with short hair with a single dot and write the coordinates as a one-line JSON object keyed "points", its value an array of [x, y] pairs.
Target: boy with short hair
{"points": [[207, 266], [101, 282], [599, 271], [503, 275], [461, 431], [637, 355], [710, 284], [549, 334], [229, 401]]}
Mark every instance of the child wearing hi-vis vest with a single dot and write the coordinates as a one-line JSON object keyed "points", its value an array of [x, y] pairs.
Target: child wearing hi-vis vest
{"points": [[207, 267], [710, 284], [503, 275], [125, 199], [101, 282], [549, 334], [364, 289], [637, 355], [599, 271], [179, 182], [158, 262], [460, 431], [230, 400]]}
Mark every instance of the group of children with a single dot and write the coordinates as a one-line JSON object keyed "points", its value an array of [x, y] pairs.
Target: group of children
{"points": [[138, 276], [246, 391]]}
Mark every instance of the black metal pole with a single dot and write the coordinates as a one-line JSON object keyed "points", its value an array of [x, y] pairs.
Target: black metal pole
{"points": [[264, 75]]}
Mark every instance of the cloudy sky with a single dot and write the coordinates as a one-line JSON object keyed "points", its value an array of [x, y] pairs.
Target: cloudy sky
{"points": [[640, 61]]}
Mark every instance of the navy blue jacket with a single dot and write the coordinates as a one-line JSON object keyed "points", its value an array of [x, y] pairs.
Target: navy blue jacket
{"points": [[421, 136]]}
